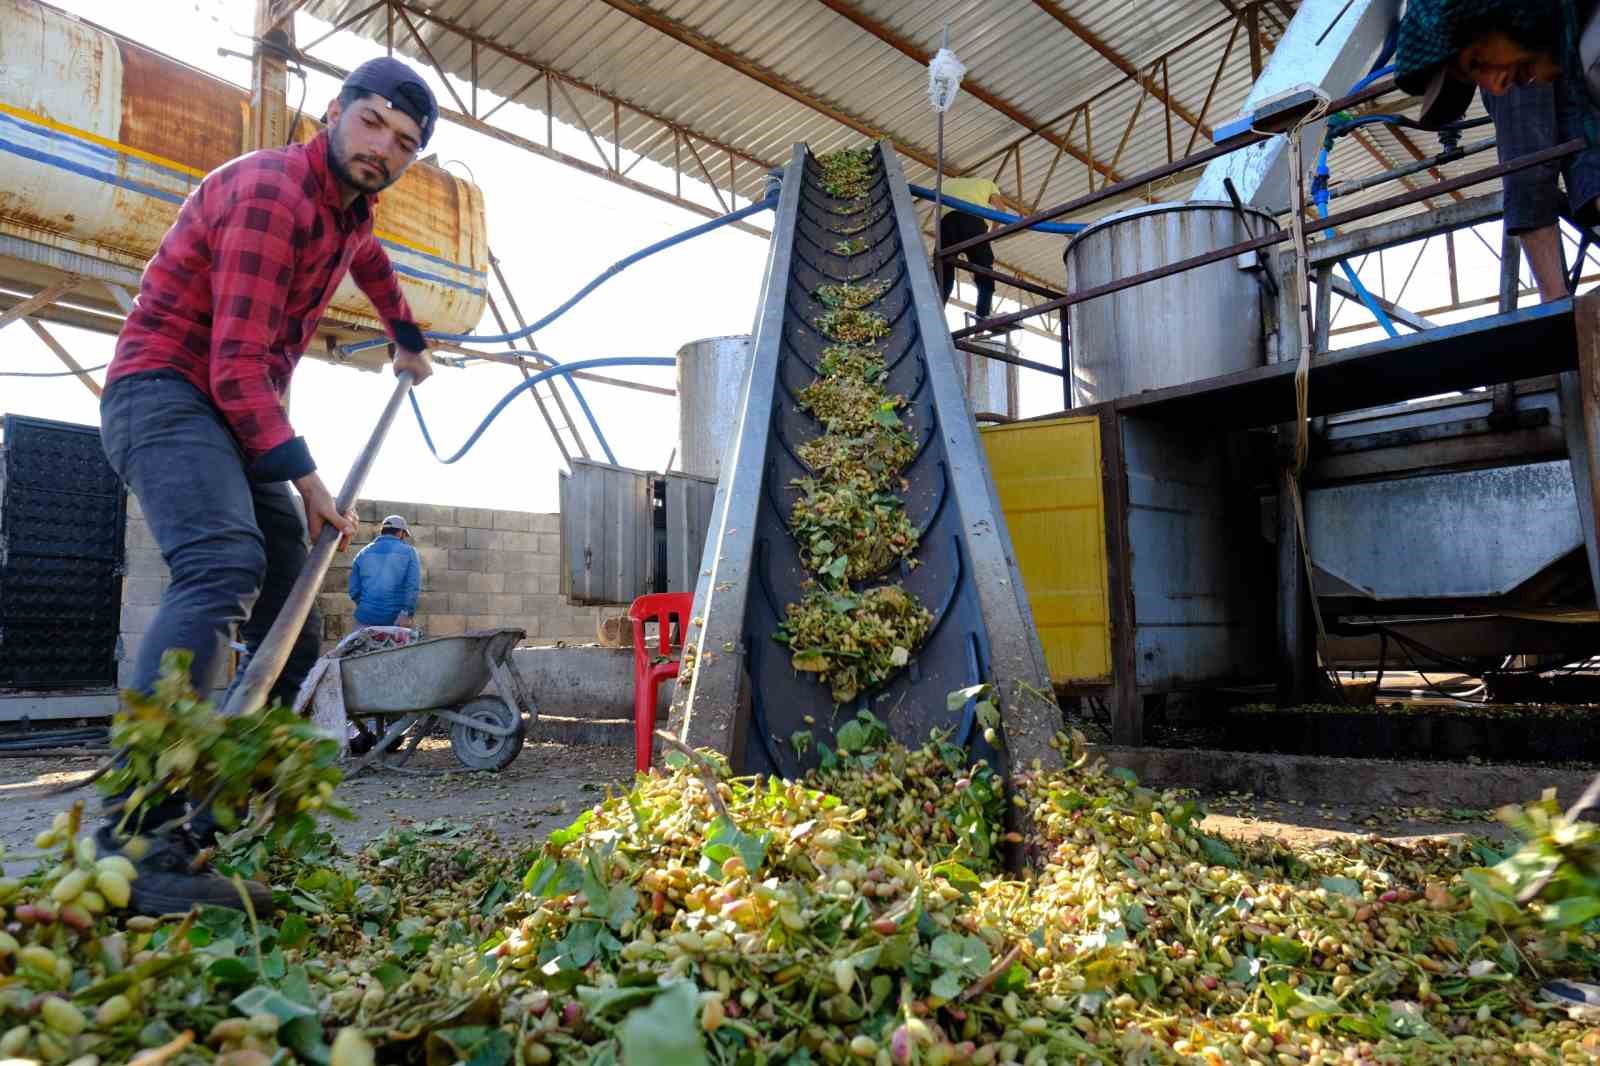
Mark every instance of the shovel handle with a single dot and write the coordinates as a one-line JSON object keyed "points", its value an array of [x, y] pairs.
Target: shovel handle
{"points": [[266, 662]]}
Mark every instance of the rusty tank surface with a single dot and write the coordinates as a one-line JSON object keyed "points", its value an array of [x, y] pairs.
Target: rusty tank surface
{"points": [[101, 140]]}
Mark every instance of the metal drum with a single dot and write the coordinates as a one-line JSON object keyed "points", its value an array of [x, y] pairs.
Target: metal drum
{"points": [[710, 383], [1187, 327]]}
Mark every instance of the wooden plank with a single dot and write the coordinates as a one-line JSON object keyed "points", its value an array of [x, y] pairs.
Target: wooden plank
{"points": [[43, 298], [62, 354]]}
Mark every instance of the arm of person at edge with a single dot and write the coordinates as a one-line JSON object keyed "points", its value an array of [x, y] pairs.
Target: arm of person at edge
{"points": [[374, 275], [252, 246]]}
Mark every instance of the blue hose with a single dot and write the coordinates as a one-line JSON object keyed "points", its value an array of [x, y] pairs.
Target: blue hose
{"points": [[922, 192], [1319, 193], [555, 371], [600, 279]]}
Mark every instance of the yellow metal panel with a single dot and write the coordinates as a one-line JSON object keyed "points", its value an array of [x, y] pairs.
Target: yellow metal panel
{"points": [[1048, 477]]}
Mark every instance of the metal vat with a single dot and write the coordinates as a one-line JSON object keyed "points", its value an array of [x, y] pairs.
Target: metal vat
{"points": [[1187, 327], [101, 140], [990, 384], [711, 376]]}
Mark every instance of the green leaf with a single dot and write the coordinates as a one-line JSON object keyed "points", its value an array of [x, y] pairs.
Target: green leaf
{"points": [[667, 1032], [851, 737], [1492, 895], [958, 699], [1343, 886], [1566, 913], [1282, 996], [1217, 853], [598, 1002], [232, 972], [1135, 918], [1144, 986], [562, 837], [726, 840], [958, 875], [1122, 773], [303, 1036], [471, 1045], [1287, 951], [968, 955], [1244, 970], [837, 567], [262, 999], [886, 417], [946, 986], [390, 975], [293, 931]]}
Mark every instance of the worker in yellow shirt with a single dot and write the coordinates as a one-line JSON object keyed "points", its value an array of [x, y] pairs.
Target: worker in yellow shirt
{"points": [[957, 226]]}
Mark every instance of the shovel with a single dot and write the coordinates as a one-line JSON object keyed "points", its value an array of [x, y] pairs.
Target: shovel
{"points": [[267, 662]]}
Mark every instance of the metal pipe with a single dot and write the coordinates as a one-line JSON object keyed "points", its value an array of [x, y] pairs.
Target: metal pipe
{"points": [[1361, 184], [1006, 357], [1342, 218], [1014, 282], [1134, 183], [266, 663]]}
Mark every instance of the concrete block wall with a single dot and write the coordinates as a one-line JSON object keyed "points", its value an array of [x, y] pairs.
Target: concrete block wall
{"points": [[481, 569], [144, 579]]}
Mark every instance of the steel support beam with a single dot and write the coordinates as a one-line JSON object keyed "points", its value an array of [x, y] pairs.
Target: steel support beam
{"points": [[1076, 27], [977, 90], [771, 79], [1343, 288]]}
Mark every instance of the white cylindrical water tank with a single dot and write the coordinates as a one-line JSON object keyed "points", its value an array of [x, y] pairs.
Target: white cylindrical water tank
{"points": [[710, 380]]}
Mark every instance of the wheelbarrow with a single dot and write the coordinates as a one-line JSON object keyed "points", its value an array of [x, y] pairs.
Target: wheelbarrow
{"points": [[410, 689]]}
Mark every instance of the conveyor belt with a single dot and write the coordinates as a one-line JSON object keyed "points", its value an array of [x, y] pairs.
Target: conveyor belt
{"points": [[744, 697]]}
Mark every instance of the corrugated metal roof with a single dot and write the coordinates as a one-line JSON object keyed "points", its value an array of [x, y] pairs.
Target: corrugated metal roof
{"points": [[1013, 48]]}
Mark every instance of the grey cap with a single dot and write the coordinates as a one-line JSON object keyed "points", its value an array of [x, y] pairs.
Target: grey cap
{"points": [[395, 521]]}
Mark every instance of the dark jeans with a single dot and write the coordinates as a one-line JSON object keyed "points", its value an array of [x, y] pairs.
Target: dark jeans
{"points": [[1529, 119], [234, 547], [955, 227]]}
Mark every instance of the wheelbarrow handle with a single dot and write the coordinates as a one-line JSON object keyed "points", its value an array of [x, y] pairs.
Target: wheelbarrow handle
{"points": [[266, 663]]}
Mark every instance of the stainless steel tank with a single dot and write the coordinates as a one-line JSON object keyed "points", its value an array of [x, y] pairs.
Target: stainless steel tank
{"points": [[710, 378], [1187, 327], [990, 384]]}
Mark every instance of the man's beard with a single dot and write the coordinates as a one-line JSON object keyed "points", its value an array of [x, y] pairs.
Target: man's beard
{"points": [[341, 162]]}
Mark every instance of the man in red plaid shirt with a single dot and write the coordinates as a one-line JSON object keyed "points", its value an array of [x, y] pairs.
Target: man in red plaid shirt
{"points": [[193, 416]]}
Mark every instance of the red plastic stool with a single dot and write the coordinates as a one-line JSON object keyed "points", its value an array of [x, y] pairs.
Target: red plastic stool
{"points": [[661, 608]]}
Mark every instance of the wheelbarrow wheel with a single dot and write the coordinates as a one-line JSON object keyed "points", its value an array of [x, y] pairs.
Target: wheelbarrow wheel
{"points": [[477, 749]]}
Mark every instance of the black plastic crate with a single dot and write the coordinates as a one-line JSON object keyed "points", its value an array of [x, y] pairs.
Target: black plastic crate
{"points": [[57, 455], [49, 655], [38, 587], [68, 524]]}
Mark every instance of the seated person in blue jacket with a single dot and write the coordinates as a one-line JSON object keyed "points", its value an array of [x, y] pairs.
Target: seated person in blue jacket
{"points": [[386, 577]]}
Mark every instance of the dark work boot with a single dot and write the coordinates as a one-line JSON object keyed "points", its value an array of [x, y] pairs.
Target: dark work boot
{"points": [[165, 884]]}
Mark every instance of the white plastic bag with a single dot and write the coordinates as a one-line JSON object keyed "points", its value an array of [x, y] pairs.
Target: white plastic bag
{"points": [[944, 79]]}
